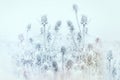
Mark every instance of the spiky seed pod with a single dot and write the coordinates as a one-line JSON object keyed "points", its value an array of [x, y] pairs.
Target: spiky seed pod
{"points": [[44, 20], [58, 24], [84, 20], [69, 23]]}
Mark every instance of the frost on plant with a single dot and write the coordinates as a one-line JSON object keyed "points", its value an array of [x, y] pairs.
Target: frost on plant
{"points": [[47, 54]]}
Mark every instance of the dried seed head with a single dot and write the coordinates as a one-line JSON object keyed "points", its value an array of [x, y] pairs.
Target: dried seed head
{"points": [[28, 27], [58, 24], [38, 62], [90, 46], [89, 60], [63, 50], [38, 46], [31, 40], [109, 56], [55, 66], [44, 20], [69, 23], [21, 37], [69, 64], [84, 20], [75, 8]]}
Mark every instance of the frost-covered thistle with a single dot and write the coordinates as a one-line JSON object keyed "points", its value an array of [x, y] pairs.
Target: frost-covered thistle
{"points": [[46, 56], [109, 56], [75, 8], [38, 61], [55, 66], [31, 40], [69, 23], [38, 46], [44, 20], [28, 27], [44, 23], [84, 20], [21, 37], [69, 64], [63, 50], [57, 26]]}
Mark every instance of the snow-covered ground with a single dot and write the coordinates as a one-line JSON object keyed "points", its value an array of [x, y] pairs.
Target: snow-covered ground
{"points": [[8, 70]]}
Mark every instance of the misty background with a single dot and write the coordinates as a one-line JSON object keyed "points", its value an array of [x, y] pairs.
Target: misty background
{"points": [[15, 15]]}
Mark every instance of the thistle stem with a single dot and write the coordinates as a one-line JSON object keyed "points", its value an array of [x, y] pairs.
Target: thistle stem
{"points": [[77, 21], [74, 40], [44, 38]]}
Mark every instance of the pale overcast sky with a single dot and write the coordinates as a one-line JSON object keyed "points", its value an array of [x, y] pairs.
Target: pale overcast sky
{"points": [[104, 15]]}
